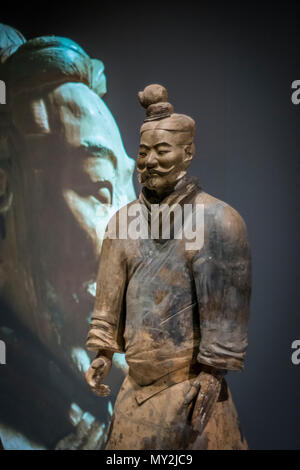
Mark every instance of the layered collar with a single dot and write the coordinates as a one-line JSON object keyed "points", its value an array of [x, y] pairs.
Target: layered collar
{"points": [[182, 193], [182, 190]]}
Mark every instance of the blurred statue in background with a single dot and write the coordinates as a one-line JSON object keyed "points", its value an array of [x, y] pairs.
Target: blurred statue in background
{"points": [[179, 310], [63, 173]]}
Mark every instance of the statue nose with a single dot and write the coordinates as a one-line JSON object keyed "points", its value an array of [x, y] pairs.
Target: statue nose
{"points": [[151, 160]]}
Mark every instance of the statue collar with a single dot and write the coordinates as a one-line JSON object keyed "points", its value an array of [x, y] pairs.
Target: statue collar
{"points": [[183, 189], [183, 193]]}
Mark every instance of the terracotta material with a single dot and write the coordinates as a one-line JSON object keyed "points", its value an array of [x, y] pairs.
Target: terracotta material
{"points": [[180, 315]]}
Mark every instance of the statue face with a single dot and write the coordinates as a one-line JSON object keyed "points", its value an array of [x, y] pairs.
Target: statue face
{"points": [[73, 173], [162, 159]]}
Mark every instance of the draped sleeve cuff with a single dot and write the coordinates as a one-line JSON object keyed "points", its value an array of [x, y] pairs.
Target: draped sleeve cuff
{"points": [[103, 335], [219, 359]]}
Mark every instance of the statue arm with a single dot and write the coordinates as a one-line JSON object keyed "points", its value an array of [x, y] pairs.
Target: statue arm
{"points": [[223, 283], [107, 325]]}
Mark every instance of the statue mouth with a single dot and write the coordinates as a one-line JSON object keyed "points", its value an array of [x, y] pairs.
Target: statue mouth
{"points": [[149, 173], [154, 173]]}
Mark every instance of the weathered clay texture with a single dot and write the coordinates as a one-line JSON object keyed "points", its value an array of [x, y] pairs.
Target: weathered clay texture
{"points": [[179, 315]]}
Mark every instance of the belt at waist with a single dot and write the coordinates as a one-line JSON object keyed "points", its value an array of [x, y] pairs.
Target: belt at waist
{"points": [[144, 392]]}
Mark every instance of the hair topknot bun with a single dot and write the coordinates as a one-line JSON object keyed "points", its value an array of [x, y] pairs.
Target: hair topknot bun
{"points": [[153, 94], [155, 99]]}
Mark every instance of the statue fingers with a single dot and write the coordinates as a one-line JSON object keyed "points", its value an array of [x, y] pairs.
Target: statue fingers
{"points": [[199, 412], [101, 390], [193, 391], [97, 363], [204, 406], [90, 377]]}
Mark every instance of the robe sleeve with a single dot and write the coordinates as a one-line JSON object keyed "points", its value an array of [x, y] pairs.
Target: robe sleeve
{"points": [[222, 274], [108, 319]]}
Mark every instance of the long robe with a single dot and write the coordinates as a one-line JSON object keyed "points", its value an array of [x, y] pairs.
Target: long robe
{"points": [[173, 310]]}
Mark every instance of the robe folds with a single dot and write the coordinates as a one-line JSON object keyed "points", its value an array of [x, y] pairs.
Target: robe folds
{"points": [[173, 310]]}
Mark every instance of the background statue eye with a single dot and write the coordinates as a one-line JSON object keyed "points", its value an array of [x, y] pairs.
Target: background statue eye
{"points": [[142, 154]]}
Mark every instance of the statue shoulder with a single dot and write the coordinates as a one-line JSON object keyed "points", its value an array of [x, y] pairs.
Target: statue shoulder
{"points": [[222, 219]]}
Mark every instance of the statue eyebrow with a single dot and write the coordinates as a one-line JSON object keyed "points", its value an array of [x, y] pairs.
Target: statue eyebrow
{"points": [[106, 153], [91, 147], [155, 146], [163, 143]]}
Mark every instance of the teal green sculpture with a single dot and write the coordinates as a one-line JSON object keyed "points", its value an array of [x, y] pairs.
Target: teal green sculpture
{"points": [[63, 173]]}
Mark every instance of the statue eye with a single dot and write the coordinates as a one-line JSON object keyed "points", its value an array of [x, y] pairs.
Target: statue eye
{"points": [[163, 152], [142, 154]]}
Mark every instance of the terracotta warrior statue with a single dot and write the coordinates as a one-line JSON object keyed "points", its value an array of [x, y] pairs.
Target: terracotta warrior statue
{"points": [[63, 172], [180, 314]]}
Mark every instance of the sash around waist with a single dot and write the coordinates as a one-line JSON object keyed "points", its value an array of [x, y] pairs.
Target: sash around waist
{"points": [[144, 392]]}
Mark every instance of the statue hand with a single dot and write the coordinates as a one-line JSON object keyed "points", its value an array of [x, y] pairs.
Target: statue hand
{"points": [[97, 371], [206, 387]]}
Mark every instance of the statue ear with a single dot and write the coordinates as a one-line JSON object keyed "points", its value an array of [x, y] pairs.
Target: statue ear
{"points": [[5, 199], [189, 152]]}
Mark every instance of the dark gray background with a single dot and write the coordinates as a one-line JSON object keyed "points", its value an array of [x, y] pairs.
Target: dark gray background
{"points": [[230, 67]]}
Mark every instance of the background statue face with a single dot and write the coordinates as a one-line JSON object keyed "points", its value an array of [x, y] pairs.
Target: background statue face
{"points": [[70, 173], [163, 159]]}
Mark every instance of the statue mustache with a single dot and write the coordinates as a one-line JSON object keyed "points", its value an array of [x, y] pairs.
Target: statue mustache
{"points": [[145, 173]]}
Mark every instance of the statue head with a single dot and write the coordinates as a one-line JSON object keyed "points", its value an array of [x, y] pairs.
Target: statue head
{"points": [[166, 144], [65, 172]]}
